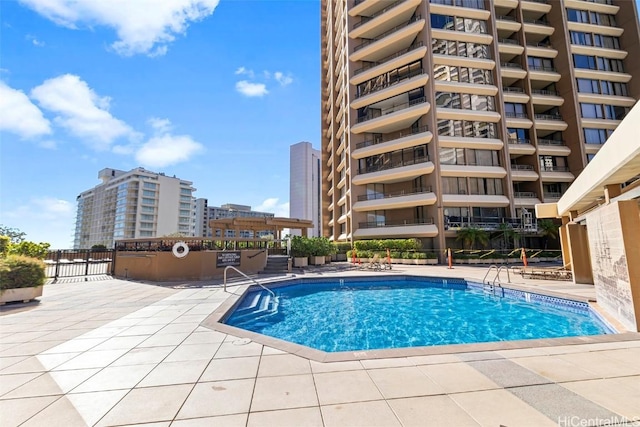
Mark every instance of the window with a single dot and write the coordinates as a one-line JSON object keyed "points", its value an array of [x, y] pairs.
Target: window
{"points": [[186, 191], [451, 23], [514, 110], [467, 129], [536, 63], [465, 101], [517, 135], [600, 111], [150, 185], [146, 233], [584, 61], [485, 186], [145, 217], [454, 185], [148, 193], [146, 225], [588, 86], [148, 201], [596, 136], [148, 209]]}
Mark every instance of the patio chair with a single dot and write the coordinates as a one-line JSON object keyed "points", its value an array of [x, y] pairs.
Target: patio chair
{"points": [[374, 263]]}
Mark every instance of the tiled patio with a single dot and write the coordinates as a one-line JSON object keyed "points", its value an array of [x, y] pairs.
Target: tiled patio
{"points": [[113, 353]]}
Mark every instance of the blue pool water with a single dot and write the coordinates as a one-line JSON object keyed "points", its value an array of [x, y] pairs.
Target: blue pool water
{"points": [[331, 316]]}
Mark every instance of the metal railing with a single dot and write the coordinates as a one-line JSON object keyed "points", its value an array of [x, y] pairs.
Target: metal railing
{"points": [[544, 92], [525, 195], [388, 58], [516, 115], [505, 18], [379, 196], [79, 262], [365, 19], [513, 90], [519, 141], [394, 165], [542, 68], [554, 169], [550, 142], [388, 84], [382, 139], [549, 195], [556, 117], [393, 109], [540, 44], [521, 167], [511, 65], [509, 41], [400, 223], [386, 33], [253, 280]]}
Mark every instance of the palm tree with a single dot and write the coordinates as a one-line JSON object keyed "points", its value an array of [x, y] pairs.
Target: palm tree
{"points": [[548, 228], [472, 235], [507, 233]]}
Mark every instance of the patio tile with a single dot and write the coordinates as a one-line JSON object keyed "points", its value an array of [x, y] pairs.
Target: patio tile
{"points": [[285, 364], [51, 383], [144, 355], [231, 369], [310, 417], [210, 337], [30, 348], [603, 364], [458, 377], [13, 381], [150, 404], [140, 330], [75, 345], [115, 343], [404, 382], [433, 411], [345, 387], [318, 367], [15, 412], [161, 339], [5, 362], [555, 368], [506, 373], [29, 364], [77, 409], [433, 359], [192, 352], [177, 328], [370, 414], [292, 391], [522, 352], [221, 397], [386, 363], [236, 420], [235, 348], [499, 407], [92, 359], [610, 393], [167, 373], [267, 351], [115, 378]]}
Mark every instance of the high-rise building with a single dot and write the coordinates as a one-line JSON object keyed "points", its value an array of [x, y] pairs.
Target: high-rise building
{"points": [[204, 213], [443, 114], [305, 186], [134, 204]]}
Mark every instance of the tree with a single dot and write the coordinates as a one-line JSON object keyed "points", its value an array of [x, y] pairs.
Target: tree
{"points": [[548, 228], [507, 233], [472, 235], [99, 248], [14, 234], [30, 249]]}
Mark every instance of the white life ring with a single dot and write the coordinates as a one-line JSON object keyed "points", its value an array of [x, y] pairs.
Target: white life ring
{"points": [[176, 250]]}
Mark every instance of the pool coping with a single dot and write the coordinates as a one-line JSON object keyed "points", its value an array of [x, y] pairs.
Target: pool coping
{"points": [[214, 322]]}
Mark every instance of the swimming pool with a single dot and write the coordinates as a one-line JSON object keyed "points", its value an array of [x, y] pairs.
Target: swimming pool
{"points": [[364, 314]]}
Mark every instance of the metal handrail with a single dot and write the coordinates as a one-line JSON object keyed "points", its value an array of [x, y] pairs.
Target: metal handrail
{"points": [[498, 275], [491, 267], [253, 280]]}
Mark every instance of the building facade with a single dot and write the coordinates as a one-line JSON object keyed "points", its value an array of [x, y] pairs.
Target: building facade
{"points": [[134, 204], [305, 191], [444, 114], [204, 213]]}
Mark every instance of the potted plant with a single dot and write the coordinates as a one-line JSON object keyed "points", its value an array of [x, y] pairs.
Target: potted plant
{"points": [[300, 251], [21, 278], [420, 258], [340, 253], [407, 257]]}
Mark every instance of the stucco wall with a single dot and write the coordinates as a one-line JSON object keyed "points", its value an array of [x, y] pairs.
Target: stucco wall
{"points": [[197, 265]]}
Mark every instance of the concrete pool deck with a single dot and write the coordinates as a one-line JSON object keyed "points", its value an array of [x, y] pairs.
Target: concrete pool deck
{"points": [[113, 353]]}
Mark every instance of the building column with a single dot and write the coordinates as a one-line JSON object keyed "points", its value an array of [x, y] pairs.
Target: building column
{"points": [[577, 241]]}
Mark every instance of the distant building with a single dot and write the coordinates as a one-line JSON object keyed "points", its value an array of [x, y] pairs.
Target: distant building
{"points": [[204, 213], [134, 204], [305, 185]]}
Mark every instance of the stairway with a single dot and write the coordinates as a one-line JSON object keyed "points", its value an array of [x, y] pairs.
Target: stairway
{"points": [[276, 264], [256, 309]]}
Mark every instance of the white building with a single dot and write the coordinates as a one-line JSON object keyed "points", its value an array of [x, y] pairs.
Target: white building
{"points": [[204, 213], [134, 204], [305, 185]]}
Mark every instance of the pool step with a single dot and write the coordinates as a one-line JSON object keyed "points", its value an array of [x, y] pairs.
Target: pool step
{"points": [[258, 305]]}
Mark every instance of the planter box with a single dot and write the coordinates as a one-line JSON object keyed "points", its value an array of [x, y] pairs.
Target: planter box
{"points": [[316, 260], [339, 257], [20, 294], [300, 261], [396, 261], [407, 261], [327, 259]]}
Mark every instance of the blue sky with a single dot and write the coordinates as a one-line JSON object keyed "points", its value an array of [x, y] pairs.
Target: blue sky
{"points": [[214, 93]]}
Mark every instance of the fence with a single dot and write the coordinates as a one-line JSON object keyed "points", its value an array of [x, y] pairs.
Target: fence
{"points": [[79, 262]]}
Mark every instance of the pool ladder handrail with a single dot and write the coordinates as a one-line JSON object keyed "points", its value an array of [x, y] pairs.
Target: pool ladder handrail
{"points": [[497, 276], [253, 280]]}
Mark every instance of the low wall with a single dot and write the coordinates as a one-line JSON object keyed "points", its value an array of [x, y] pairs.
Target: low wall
{"points": [[197, 265]]}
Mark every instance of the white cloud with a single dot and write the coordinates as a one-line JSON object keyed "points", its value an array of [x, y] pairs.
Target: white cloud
{"points": [[142, 26], [160, 125], [242, 71], [44, 219], [49, 144], [81, 111], [35, 41], [18, 115], [272, 205], [282, 79], [164, 150], [251, 89]]}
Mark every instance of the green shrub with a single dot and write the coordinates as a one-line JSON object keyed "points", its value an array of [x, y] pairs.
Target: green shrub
{"points": [[342, 248], [407, 255], [400, 245], [18, 271], [5, 243], [30, 249], [419, 255]]}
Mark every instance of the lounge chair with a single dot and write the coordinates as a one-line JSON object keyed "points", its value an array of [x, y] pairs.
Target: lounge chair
{"points": [[374, 263]]}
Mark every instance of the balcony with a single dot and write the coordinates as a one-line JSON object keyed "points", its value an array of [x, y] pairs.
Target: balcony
{"points": [[509, 48], [602, 6], [507, 25], [395, 229], [389, 42], [599, 51], [392, 117], [387, 143], [556, 174], [546, 97], [470, 142], [550, 122], [395, 200], [393, 87], [551, 196], [537, 29], [476, 200], [523, 173], [392, 15], [542, 50], [552, 147], [402, 170], [515, 94], [521, 146], [388, 63], [511, 72], [543, 74], [517, 120], [535, 7], [471, 170]]}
